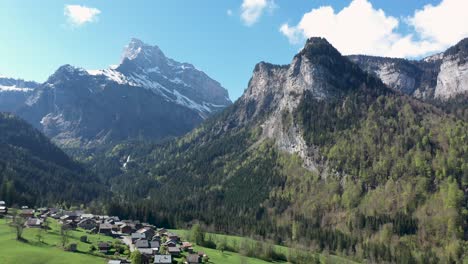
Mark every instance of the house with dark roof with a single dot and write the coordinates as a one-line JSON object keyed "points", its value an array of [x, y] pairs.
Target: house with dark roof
{"points": [[170, 243], [26, 213], [87, 224], [105, 229], [34, 222], [174, 251], [172, 236], [71, 215], [162, 259], [155, 245], [104, 247], [137, 236], [126, 229], [142, 243], [148, 231]]}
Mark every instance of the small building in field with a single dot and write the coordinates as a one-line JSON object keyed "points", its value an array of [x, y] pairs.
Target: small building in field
{"points": [[186, 245], [3, 208], [162, 259], [26, 213], [104, 247], [34, 223], [193, 259], [73, 247]]}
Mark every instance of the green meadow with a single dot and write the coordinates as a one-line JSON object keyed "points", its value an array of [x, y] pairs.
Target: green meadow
{"points": [[234, 241], [49, 250]]}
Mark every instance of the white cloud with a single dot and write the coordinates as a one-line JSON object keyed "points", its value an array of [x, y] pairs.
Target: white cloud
{"points": [[361, 29], [229, 12], [252, 10], [445, 23], [78, 15]]}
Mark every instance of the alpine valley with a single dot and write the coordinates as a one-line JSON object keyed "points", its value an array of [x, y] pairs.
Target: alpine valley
{"points": [[322, 155], [358, 156]]}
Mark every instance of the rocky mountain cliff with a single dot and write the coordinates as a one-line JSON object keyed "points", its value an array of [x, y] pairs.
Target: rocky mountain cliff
{"points": [[440, 76], [14, 92], [275, 92], [146, 96]]}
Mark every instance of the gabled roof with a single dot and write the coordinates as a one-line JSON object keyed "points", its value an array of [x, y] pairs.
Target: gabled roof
{"points": [[33, 222], [138, 235], [186, 244], [83, 216], [144, 230], [27, 211], [146, 251], [142, 243], [170, 242], [105, 226], [173, 249], [154, 244], [162, 259], [86, 220]]}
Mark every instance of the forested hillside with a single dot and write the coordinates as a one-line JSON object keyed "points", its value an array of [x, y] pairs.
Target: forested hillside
{"points": [[33, 171], [348, 166]]}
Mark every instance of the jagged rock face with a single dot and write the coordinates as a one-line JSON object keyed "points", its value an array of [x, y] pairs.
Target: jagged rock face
{"points": [[440, 76], [147, 96], [417, 78], [14, 92], [78, 109], [275, 92], [453, 77]]}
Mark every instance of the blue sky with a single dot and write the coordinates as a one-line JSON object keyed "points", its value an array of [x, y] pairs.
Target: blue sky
{"points": [[223, 38]]}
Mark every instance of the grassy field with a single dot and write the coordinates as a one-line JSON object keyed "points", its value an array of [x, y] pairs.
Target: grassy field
{"points": [[234, 241], [49, 250], [226, 257]]}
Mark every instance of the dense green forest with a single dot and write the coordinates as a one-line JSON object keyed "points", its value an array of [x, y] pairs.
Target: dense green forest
{"points": [[33, 171]]}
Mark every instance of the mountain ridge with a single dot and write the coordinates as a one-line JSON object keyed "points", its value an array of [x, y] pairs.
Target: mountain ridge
{"points": [[145, 97], [440, 76]]}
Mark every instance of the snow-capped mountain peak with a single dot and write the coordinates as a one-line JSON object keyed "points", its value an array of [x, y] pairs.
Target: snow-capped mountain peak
{"points": [[148, 67]]}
